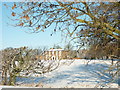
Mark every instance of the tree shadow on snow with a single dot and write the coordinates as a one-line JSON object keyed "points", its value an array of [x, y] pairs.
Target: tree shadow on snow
{"points": [[93, 73]]}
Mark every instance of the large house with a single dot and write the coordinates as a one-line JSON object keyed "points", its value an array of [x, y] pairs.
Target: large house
{"points": [[55, 54]]}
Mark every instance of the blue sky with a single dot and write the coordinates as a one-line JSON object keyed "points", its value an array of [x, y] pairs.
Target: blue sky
{"points": [[0, 25], [17, 37]]}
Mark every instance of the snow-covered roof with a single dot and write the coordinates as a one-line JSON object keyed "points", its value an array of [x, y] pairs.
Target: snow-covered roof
{"points": [[56, 50]]}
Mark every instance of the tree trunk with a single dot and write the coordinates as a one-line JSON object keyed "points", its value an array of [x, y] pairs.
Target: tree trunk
{"points": [[12, 79], [4, 76]]}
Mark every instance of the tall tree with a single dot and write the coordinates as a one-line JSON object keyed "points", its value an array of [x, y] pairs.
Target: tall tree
{"points": [[56, 47], [89, 22], [92, 23], [68, 17], [68, 47]]}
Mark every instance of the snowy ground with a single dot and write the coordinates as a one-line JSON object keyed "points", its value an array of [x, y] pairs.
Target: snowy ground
{"points": [[74, 74]]}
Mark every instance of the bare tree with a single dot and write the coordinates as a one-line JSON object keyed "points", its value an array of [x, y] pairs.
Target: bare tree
{"points": [[85, 22], [91, 23], [68, 16], [56, 47], [22, 62]]}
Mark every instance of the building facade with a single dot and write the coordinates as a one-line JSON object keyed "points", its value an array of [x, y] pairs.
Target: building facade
{"points": [[54, 54]]}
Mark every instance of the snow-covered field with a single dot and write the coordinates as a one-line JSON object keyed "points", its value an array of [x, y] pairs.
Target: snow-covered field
{"points": [[74, 74]]}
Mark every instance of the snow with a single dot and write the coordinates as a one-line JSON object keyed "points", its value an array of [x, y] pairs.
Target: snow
{"points": [[79, 75], [75, 74]]}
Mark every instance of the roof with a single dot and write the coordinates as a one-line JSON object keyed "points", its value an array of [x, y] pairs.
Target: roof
{"points": [[56, 50]]}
